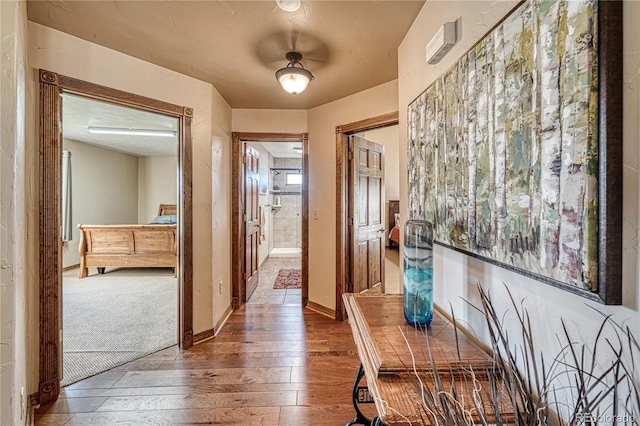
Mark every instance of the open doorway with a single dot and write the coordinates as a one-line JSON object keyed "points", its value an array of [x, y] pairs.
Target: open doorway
{"points": [[280, 214], [119, 223], [52, 89], [263, 227], [359, 165], [388, 137]]}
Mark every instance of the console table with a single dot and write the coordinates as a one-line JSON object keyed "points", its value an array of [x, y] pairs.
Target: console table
{"points": [[391, 368]]}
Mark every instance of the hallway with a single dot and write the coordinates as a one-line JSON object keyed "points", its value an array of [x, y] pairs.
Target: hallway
{"points": [[270, 365]]}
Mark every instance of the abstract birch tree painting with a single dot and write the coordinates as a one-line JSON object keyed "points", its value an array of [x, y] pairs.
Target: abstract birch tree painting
{"points": [[503, 147]]}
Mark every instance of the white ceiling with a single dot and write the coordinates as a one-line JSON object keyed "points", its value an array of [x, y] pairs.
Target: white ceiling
{"points": [[78, 113], [238, 45]]}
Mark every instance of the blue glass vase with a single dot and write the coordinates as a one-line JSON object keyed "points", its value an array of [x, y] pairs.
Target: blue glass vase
{"points": [[418, 272]]}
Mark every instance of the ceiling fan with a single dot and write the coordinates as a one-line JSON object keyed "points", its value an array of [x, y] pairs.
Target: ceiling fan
{"points": [[272, 49]]}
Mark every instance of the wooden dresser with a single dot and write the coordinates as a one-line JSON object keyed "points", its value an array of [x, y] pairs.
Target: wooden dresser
{"points": [[393, 371]]}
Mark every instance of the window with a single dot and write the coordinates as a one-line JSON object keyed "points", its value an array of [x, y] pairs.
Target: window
{"points": [[293, 179]]}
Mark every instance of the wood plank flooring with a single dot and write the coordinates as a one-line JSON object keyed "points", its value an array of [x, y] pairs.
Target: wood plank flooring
{"points": [[270, 365]]}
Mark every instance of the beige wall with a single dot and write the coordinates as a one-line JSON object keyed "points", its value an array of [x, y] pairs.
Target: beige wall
{"points": [[218, 216], [269, 120], [322, 177], [104, 190], [455, 274], [58, 52], [14, 223], [157, 184]]}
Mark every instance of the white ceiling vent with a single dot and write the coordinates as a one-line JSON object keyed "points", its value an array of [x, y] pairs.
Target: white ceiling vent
{"points": [[441, 43]]}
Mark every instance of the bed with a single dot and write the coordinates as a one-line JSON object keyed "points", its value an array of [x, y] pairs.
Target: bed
{"points": [[394, 223], [150, 245], [394, 235]]}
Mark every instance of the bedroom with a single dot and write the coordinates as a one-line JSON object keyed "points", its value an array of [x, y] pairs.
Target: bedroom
{"points": [[116, 179]]}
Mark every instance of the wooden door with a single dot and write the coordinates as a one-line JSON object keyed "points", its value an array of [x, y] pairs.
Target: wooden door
{"points": [[251, 221], [367, 188]]}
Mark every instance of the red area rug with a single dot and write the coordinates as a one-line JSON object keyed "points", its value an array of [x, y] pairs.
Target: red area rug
{"points": [[288, 278]]}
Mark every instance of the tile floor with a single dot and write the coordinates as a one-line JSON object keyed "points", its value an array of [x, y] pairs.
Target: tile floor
{"points": [[265, 294]]}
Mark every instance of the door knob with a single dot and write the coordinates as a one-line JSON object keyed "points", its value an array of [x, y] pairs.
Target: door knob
{"points": [[382, 229]]}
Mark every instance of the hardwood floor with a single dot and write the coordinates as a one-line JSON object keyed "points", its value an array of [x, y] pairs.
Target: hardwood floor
{"points": [[273, 363], [270, 365]]}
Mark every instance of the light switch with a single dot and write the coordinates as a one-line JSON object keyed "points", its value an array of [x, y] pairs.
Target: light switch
{"points": [[315, 215]]}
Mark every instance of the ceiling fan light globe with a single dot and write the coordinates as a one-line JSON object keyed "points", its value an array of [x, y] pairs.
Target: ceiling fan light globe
{"points": [[294, 80]]}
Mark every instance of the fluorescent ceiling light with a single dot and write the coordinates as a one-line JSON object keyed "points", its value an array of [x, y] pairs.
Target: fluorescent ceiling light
{"points": [[131, 132]]}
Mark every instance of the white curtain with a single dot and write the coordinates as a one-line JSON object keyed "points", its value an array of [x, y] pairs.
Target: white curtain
{"points": [[67, 220]]}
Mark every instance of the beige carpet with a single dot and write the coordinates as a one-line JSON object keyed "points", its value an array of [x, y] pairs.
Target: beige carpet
{"points": [[111, 319]]}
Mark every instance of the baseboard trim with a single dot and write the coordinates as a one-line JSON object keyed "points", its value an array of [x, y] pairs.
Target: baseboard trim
{"points": [[211, 333], [68, 268], [203, 335], [315, 307], [32, 405], [223, 319]]}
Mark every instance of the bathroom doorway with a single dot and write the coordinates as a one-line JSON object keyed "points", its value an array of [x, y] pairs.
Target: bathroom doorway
{"points": [[279, 273], [281, 213]]}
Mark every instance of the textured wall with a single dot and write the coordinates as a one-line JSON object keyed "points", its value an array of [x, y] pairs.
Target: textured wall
{"points": [[456, 275], [13, 220], [71, 56], [157, 184], [104, 191]]}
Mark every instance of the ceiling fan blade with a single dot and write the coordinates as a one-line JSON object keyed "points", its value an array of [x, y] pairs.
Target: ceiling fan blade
{"points": [[272, 49]]}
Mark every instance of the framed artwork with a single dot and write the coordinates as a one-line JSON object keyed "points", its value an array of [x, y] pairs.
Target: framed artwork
{"points": [[515, 152]]}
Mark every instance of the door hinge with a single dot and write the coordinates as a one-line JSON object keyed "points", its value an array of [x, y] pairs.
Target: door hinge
{"points": [[351, 221], [244, 159], [244, 217], [350, 155]]}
